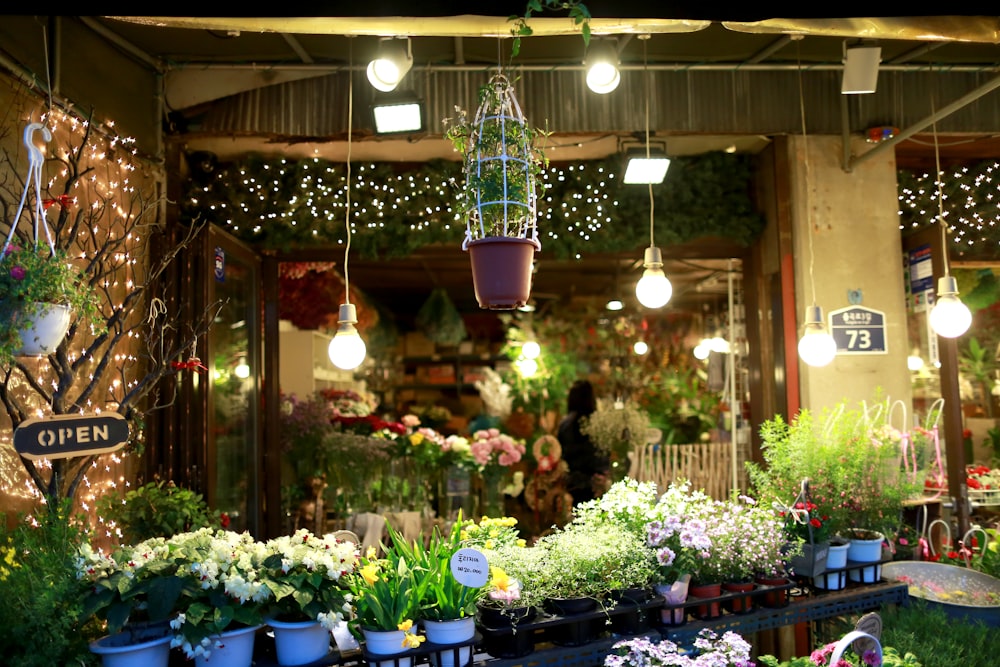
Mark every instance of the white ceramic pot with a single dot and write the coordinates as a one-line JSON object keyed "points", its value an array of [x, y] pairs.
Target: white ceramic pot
{"points": [[299, 643], [385, 643], [836, 559], [46, 330], [456, 631]]}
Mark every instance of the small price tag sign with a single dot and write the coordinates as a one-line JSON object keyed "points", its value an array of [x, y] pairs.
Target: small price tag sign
{"points": [[469, 567]]}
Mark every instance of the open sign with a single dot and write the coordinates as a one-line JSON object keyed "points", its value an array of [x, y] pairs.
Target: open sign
{"points": [[63, 436]]}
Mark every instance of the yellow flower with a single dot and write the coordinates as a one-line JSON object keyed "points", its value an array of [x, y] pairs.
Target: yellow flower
{"points": [[488, 544], [499, 579], [464, 535], [416, 439], [412, 641], [405, 625], [371, 554], [370, 573], [521, 542]]}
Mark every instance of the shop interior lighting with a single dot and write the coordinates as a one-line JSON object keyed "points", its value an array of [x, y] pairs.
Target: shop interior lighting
{"points": [[391, 63], [654, 289], [347, 350], [601, 63], [397, 114]]}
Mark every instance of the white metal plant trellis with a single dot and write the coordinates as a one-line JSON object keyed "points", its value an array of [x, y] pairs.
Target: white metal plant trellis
{"points": [[35, 161], [500, 135]]}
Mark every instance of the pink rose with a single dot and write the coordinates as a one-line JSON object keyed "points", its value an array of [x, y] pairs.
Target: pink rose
{"points": [[17, 272]]}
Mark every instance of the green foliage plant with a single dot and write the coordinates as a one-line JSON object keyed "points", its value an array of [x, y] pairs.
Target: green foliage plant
{"points": [[938, 639], [576, 10], [443, 597], [158, 509], [850, 457], [42, 619]]}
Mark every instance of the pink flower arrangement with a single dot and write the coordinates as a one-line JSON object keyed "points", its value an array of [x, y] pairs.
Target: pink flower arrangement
{"points": [[490, 446]]}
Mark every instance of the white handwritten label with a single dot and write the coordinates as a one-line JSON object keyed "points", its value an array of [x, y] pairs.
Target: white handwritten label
{"points": [[469, 567]]}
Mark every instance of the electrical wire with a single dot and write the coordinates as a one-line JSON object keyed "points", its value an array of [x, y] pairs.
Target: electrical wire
{"points": [[350, 117], [940, 193], [645, 82], [805, 165]]}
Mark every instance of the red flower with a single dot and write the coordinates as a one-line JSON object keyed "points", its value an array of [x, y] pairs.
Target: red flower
{"points": [[815, 523], [224, 520]]}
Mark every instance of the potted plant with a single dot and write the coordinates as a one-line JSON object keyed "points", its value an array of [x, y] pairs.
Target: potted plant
{"points": [[306, 575], [387, 592], [499, 197], [158, 509], [493, 453], [40, 289], [222, 598]]}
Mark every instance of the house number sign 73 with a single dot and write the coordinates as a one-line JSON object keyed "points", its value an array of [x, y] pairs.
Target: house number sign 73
{"points": [[858, 330]]}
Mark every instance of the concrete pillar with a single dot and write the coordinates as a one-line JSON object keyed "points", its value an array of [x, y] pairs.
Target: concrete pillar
{"points": [[852, 222]]}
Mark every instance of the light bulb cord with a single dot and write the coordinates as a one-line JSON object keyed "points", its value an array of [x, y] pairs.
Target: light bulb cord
{"points": [[645, 82], [805, 164], [940, 192], [347, 204]]}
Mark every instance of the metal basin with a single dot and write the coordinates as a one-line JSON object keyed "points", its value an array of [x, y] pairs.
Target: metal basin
{"points": [[963, 594]]}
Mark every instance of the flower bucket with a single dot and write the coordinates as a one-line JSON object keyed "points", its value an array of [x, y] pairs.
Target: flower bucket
{"points": [[458, 632], [836, 559], [385, 643], [299, 643], [120, 650], [862, 550], [674, 594], [501, 271], [45, 332], [812, 561], [231, 649]]}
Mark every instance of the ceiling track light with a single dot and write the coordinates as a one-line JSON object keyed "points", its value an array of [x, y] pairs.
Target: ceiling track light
{"points": [[861, 61], [949, 318], [601, 63], [390, 64], [398, 113]]}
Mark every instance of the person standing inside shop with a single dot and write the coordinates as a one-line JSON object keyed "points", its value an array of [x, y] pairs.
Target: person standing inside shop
{"points": [[588, 467]]}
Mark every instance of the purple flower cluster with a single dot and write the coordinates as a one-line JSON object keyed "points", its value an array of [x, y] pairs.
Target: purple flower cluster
{"points": [[709, 650]]}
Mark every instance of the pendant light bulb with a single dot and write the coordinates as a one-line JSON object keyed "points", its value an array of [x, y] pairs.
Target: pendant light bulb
{"points": [[816, 347], [654, 289], [950, 318], [347, 350], [531, 349]]}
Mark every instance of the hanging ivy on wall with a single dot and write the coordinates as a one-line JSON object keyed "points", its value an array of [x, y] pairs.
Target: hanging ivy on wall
{"points": [[283, 204]]}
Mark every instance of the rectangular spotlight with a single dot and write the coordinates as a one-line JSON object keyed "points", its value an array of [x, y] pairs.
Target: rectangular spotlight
{"points": [[394, 116], [642, 169], [861, 63]]}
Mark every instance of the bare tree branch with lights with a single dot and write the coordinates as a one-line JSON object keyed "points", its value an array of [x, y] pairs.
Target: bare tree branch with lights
{"points": [[114, 230]]}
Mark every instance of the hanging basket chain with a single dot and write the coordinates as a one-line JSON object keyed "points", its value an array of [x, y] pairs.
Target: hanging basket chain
{"points": [[35, 161]]}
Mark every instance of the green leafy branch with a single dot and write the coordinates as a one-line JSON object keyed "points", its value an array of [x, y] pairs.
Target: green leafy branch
{"points": [[577, 11]]}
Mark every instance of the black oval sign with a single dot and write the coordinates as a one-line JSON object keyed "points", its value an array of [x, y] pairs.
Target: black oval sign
{"points": [[63, 436]]}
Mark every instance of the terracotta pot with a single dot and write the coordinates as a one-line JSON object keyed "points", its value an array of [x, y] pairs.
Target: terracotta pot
{"points": [[773, 599], [501, 271], [708, 610], [742, 604]]}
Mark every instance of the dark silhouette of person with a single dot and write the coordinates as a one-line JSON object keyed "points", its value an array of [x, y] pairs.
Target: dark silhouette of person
{"points": [[588, 466]]}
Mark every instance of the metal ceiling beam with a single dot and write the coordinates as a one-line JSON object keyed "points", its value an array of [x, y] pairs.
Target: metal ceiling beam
{"points": [[921, 124]]}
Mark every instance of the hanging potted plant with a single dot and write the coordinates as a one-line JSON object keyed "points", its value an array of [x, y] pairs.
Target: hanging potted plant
{"points": [[501, 165], [39, 290]]}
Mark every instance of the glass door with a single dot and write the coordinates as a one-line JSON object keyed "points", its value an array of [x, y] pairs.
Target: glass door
{"points": [[233, 360]]}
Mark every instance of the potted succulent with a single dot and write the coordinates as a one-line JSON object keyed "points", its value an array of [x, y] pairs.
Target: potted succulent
{"points": [[501, 165], [40, 289]]}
